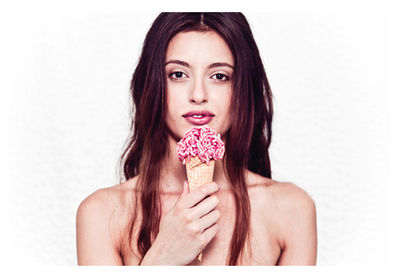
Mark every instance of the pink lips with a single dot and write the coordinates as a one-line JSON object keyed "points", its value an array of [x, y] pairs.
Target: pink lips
{"points": [[199, 117]]}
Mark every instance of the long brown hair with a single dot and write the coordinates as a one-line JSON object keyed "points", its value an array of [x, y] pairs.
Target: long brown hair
{"points": [[247, 140]]}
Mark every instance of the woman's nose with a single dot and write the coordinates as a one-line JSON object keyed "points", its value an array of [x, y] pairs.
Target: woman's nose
{"points": [[198, 93]]}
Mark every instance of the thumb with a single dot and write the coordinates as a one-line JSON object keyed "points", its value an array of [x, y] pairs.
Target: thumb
{"points": [[185, 189], [184, 192]]}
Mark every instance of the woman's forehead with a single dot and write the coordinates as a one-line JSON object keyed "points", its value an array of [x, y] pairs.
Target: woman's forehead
{"points": [[197, 48]]}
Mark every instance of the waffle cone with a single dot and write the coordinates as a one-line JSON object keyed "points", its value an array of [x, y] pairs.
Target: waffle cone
{"points": [[199, 173]]}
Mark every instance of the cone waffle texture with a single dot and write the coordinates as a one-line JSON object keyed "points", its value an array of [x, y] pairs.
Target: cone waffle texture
{"points": [[199, 173]]}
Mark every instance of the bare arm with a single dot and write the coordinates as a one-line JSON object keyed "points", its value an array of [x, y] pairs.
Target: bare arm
{"points": [[94, 239], [298, 227]]}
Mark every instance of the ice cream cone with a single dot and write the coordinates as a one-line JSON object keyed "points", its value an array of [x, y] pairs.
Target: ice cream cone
{"points": [[198, 150]]}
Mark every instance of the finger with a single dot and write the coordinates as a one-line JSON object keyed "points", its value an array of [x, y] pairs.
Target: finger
{"points": [[185, 190], [208, 220], [204, 207], [209, 233], [199, 194]]}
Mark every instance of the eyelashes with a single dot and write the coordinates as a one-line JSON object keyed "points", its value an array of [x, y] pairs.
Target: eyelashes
{"points": [[178, 75], [223, 76]]}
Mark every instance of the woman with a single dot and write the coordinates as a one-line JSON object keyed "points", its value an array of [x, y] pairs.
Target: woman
{"points": [[193, 65]]}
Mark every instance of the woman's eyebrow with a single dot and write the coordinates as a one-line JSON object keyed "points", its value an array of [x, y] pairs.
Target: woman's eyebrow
{"points": [[212, 65]]}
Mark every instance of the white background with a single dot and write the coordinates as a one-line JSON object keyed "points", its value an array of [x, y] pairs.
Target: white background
{"points": [[68, 119]]}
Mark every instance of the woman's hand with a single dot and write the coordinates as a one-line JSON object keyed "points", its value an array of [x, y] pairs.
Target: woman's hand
{"points": [[187, 228]]}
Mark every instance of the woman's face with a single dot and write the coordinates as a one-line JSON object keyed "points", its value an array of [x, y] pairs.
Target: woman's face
{"points": [[199, 67]]}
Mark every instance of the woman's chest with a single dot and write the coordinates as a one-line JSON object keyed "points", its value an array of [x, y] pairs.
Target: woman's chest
{"points": [[262, 249]]}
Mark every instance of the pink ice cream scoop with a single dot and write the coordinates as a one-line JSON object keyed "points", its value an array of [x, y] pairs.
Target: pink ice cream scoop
{"points": [[203, 142]]}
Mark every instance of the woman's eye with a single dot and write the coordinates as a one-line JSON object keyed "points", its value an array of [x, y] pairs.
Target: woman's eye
{"points": [[221, 77], [179, 75], [176, 75]]}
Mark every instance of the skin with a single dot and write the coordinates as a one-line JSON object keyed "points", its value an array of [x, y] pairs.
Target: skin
{"points": [[283, 216]]}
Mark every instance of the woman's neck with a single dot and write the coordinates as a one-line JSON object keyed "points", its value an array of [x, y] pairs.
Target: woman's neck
{"points": [[174, 172]]}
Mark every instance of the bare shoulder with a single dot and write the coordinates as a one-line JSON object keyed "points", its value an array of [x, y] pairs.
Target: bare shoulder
{"points": [[284, 195], [295, 218], [284, 203], [291, 214], [99, 221], [292, 200], [108, 199]]}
